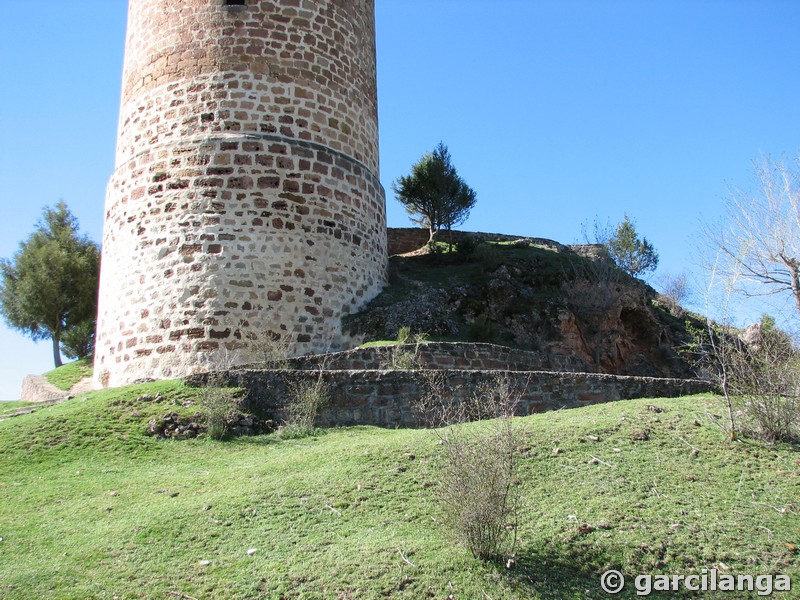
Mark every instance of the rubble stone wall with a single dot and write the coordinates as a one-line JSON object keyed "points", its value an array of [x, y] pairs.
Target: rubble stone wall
{"points": [[387, 398], [443, 355], [246, 202], [408, 239], [36, 388]]}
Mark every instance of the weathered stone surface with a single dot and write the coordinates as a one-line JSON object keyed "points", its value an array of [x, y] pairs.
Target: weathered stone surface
{"points": [[402, 240], [546, 298], [442, 355], [387, 398], [36, 388], [247, 165], [174, 427]]}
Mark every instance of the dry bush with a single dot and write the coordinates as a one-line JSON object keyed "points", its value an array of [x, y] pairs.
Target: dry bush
{"points": [[271, 350], [307, 399], [760, 376], [765, 375], [219, 409], [404, 356], [674, 292], [478, 483], [219, 405]]}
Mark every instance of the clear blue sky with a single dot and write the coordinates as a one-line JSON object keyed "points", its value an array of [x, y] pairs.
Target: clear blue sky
{"points": [[554, 112]]}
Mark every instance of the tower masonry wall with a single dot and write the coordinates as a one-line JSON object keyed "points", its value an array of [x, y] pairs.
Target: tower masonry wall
{"points": [[246, 204]]}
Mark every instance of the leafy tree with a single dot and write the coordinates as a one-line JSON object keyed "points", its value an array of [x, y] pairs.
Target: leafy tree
{"points": [[78, 341], [634, 255], [434, 194], [49, 288]]}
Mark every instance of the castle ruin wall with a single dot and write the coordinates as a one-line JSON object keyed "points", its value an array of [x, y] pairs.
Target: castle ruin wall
{"points": [[246, 203], [388, 398]]}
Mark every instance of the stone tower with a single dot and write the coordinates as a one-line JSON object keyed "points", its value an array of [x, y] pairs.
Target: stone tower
{"points": [[245, 204]]}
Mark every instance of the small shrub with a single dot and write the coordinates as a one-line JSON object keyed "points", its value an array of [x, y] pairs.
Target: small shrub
{"points": [[219, 405], [766, 376], [758, 372], [479, 487], [466, 246], [219, 408], [308, 398], [271, 350], [403, 356], [674, 292], [403, 335], [771, 418], [403, 359]]}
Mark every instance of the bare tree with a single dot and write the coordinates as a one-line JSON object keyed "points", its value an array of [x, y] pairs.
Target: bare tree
{"points": [[761, 239], [714, 347], [674, 291], [755, 368]]}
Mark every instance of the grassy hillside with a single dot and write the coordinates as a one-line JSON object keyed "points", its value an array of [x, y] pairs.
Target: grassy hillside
{"points": [[65, 376], [91, 507]]}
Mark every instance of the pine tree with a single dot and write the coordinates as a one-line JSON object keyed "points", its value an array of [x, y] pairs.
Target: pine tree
{"points": [[49, 288], [434, 195], [632, 254]]}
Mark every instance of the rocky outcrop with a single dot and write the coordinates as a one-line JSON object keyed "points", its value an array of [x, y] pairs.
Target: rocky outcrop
{"points": [[36, 388], [522, 294]]}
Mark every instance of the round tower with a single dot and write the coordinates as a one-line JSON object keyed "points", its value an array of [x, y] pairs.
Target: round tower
{"points": [[245, 205]]}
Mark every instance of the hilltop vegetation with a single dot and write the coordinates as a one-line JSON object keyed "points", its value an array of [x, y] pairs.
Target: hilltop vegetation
{"points": [[535, 297], [91, 506]]}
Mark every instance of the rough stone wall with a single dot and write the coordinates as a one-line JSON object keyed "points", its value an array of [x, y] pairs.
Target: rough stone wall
{"points": [[246, 202], [36, 388], [408, 239], [444, 355], [386, 398]]}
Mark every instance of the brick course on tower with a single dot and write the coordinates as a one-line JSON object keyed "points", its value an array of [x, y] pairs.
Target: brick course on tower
{"points": [[245, 203]]}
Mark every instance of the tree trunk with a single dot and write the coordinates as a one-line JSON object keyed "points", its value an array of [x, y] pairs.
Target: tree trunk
{"points": [[433, 233], [795, 274], [57, 350]]}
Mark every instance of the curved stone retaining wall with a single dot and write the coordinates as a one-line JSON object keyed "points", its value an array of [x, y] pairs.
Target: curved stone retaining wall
{"points": [[387, 398], [443, 355]]}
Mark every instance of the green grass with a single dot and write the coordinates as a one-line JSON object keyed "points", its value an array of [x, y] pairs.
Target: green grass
{"points": [[65, 376], [379, 343], [91, 507]]}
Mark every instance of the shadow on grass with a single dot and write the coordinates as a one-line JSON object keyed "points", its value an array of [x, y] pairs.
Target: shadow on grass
{"points": [[561, 572], [276, 437]]}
